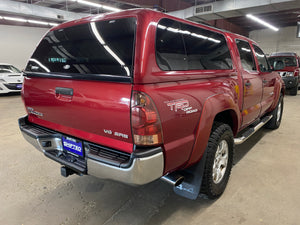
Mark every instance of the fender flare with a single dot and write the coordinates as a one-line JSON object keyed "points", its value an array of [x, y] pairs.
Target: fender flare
{"points": [[278, 89], [213, 105]]}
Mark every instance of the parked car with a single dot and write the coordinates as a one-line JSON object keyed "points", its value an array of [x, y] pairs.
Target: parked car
{"points": [[11, 79], [139, 95], [290, 72]]}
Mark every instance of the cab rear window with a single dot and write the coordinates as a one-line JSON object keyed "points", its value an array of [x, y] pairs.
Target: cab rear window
{"points": [[104, 47]]}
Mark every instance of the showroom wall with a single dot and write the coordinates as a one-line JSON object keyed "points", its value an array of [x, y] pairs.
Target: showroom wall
{"points": [[283, 40], [17, 43]]}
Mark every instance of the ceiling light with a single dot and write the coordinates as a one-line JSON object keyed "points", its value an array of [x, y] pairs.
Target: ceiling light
{"points": [[97, 5], [14, 19], [262, 22], [53, 24], [38, 22], [28, 21]]}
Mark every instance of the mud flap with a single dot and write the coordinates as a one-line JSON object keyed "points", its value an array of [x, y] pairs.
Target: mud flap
{"points": [[190, 187]]}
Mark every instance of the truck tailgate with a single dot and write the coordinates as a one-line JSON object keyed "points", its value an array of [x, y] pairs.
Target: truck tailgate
{"points": [[96, 111]]}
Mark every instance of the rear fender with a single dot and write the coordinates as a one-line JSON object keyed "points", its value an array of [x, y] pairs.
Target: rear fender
{"points": [[212, 107], [278, 89]]}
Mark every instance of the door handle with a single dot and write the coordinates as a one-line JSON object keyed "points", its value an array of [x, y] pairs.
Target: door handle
{"points": [[64, 91]]}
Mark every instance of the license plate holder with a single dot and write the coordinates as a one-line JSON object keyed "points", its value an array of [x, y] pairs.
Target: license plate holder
{"points": [[73, 146]]}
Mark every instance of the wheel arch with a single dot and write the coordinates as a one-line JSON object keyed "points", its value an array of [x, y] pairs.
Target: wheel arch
{"points": [[221, 108], [228, 117]]}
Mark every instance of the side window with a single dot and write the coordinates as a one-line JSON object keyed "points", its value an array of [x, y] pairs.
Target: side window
{"points": [[246, 55], [181, 46], [206, 50], [170, 51], [262, 60]]}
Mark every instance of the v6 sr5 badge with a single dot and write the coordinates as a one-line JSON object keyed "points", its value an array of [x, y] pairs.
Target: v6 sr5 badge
{"points": [[181, 105]]}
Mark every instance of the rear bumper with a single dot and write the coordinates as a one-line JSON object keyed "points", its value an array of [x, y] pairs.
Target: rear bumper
{"points": [[290, 82], [140, 167]]}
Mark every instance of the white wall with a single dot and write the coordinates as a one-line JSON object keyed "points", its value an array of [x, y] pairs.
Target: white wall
{"points": [[18, 43], [282, 41]]}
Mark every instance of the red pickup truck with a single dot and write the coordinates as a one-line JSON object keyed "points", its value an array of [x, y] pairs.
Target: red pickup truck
{"points": [[289, 69], [139, 95]]}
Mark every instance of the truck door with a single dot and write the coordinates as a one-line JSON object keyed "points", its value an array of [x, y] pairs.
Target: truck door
{"points": [[252, 83], [268, 79]]}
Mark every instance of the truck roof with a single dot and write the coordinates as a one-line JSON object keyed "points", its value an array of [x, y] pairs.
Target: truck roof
{"points": [[141, 11]]}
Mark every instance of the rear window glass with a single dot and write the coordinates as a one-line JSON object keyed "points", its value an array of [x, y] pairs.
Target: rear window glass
{"points": [[181, 46], [287, 61], [104, 47]]}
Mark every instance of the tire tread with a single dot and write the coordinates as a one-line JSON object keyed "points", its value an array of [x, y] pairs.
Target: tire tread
{"points": [[207, 188]]}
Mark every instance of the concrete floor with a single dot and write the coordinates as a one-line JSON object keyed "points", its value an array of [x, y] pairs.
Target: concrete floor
{"points": [[263, 188]]}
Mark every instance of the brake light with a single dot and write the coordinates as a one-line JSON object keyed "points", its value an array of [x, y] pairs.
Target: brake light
{"points": [[145, 122]]}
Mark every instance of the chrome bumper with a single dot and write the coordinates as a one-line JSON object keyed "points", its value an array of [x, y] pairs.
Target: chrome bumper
{"points": [[141, 168]]}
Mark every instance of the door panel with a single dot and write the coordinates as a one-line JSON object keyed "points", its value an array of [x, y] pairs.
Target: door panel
{"points": [[252, 83], [268, 79]]}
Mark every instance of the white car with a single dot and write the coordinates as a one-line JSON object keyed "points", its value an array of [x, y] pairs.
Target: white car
{"points": [[11, 79]]}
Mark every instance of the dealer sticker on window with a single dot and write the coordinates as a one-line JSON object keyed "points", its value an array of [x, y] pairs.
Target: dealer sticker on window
{"points": [[72, 145]]}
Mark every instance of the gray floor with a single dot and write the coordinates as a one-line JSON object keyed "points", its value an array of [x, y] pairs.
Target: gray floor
{"points": [[263, 189]]}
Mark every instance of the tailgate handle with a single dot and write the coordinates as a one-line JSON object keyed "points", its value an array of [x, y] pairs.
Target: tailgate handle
{"points": [[64, 91]]}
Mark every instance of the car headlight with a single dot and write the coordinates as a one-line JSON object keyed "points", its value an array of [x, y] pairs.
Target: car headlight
{"points": [[289, 74]]}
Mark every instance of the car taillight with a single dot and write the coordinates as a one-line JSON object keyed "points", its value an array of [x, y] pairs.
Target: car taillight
{"points": [[145, 122]]}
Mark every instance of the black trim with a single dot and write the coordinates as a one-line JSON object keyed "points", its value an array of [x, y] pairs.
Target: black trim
{"points": [[72, 166], [13, 86], [74, 76], [145, 152], [36, 131], [108, 155]]}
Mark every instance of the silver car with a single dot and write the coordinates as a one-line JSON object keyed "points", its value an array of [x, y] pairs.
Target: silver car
{"points": [[11, 79]]}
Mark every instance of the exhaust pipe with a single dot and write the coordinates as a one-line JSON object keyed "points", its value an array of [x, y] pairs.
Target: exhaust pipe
{"points": [[173, 178]]}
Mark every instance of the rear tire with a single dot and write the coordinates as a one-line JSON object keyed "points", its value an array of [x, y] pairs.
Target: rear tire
{"points": [[218, 161], [275, 122]]}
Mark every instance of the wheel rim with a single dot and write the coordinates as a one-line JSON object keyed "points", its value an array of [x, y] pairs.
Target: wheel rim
{"points": [[220, 162], [278, 112]]}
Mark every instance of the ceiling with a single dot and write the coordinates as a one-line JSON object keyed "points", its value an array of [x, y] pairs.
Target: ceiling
{"points": [[277, 17], [282, 18]]}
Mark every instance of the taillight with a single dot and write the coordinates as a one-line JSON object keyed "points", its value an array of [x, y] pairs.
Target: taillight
{"points": [[145, 122]]}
